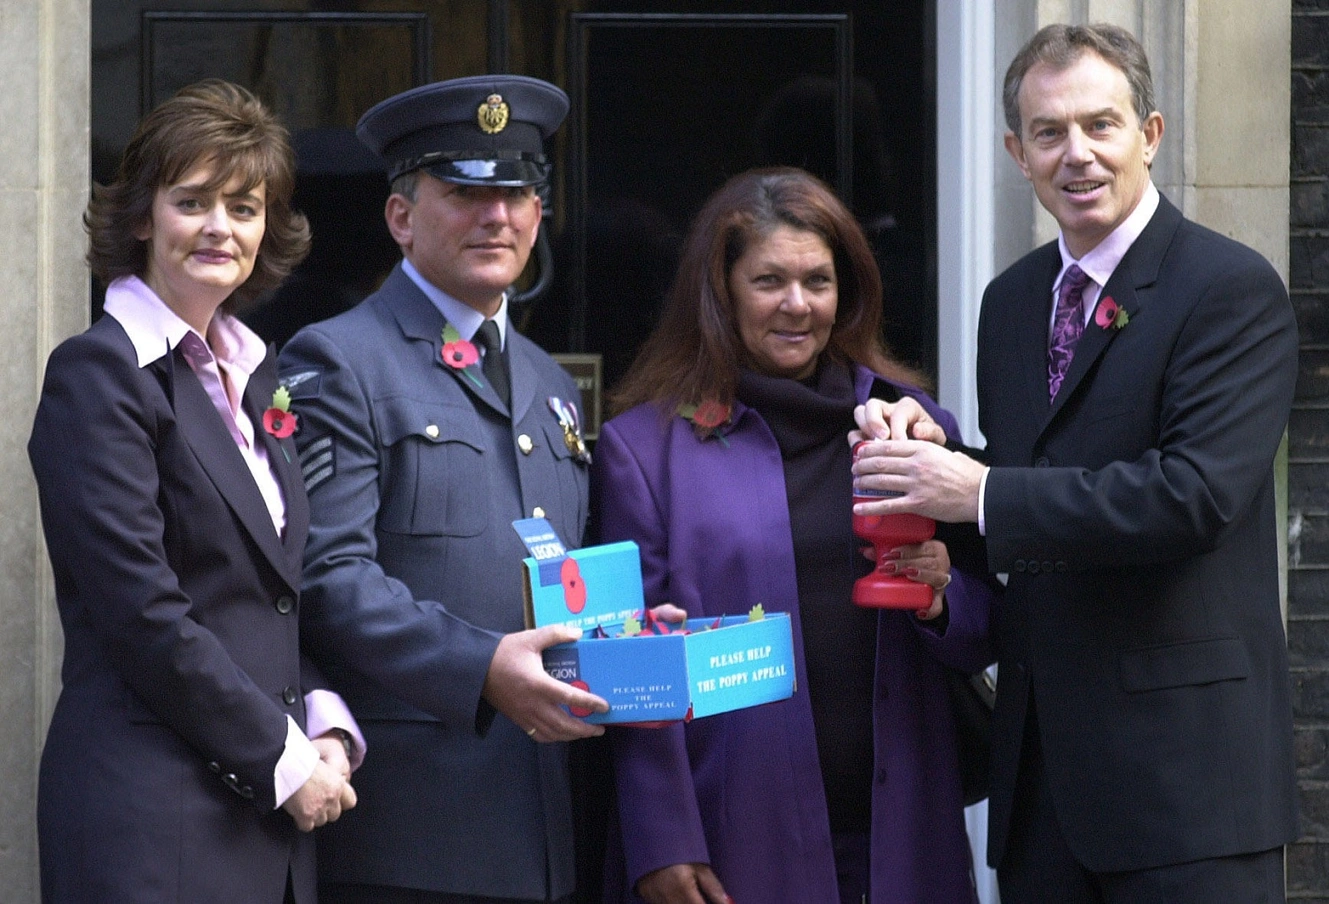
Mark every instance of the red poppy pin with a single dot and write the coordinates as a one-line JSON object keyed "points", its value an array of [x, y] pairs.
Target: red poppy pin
{"points": [[459, 353], [1111, 315], [278, 419], [656, 625], [707, 418]]}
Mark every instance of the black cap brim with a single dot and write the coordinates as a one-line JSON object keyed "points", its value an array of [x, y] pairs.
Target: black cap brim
{"points": [[500, 173]]}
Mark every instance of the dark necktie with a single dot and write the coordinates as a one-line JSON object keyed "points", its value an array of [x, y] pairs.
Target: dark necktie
{"points": [[494, 365], [1067, 325]]}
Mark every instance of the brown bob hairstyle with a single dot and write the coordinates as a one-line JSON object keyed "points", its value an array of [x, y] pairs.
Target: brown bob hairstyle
{"points": [[695, 351], [209, 122]]}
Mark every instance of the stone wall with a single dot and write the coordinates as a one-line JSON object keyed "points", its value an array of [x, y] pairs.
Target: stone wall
{"points": [[43, 298], [1308, 468]]}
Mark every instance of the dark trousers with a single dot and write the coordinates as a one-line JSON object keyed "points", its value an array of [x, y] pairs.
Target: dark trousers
{"points": [[1038, 866], [852, 865], [382, 894]]}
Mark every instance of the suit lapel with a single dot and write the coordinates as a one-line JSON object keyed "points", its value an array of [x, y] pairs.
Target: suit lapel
{"points": [[1096, 339], [284, 461], [419, 320], [1031, 333], [1128, 287], [522, 374], [216, 451]]}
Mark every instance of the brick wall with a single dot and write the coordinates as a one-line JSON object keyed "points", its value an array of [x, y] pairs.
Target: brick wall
{"points": [[1308, 466]]}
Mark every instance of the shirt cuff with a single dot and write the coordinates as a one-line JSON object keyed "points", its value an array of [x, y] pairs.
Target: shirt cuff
{"points": [[296, 763], [325, 711], [982, 497]]}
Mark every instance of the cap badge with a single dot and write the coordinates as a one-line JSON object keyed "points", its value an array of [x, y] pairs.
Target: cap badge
{"points": [[492, 114]]}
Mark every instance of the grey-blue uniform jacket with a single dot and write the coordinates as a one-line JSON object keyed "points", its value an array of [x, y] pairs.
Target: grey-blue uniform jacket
{"points": [[415, 472]]}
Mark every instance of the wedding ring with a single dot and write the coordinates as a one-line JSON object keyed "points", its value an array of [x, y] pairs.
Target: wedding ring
{"points": [[947, 584], [531, 732]]}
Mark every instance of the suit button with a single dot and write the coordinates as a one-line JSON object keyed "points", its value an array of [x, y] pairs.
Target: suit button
{"points": [[1061, 568], [1042, 462], [289, 696], [525, 444], [215, 767], [1020, 565], [1032, 567], [537, 512], [1047, 568], [285, 604], [247, 792]]}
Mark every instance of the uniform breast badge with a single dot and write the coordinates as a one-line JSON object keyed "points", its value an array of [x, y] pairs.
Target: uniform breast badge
{"points": [[566, 412]]}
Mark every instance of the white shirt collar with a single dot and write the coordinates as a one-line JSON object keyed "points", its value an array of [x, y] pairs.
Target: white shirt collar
{"points": [[465, 318]]}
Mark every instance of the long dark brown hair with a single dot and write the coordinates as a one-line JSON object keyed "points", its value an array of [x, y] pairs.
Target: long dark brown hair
{"points": [[695, 352], [211, 121]]}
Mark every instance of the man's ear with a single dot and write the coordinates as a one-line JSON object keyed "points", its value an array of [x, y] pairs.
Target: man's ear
{"points": [[398, 214], [1153, 135], [1016, 150]]}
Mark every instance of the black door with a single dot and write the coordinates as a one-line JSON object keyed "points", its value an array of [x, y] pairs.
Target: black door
{"points": [[669, 98]]}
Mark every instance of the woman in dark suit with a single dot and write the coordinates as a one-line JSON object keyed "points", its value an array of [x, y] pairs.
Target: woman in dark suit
{"points": [[729, 467], [178, 766]]}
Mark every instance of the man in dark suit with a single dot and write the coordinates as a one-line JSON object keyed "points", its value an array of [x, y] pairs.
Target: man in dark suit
{"points": [[1134, 380], [420, 446]]}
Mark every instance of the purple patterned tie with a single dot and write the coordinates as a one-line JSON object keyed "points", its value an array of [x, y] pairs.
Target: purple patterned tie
{"points": [[1067, 325]]}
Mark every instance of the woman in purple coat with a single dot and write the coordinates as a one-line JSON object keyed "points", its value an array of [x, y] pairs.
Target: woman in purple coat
{"points": [[729, 467]]}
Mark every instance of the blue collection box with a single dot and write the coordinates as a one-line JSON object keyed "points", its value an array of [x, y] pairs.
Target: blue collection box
{"points": [[701, 668]]}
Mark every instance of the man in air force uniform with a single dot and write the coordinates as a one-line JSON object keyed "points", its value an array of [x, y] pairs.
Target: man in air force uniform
{"points": [[427, 425]]}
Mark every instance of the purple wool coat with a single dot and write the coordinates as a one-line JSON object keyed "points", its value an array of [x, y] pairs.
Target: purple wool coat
{"points": [[742, 791]]}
